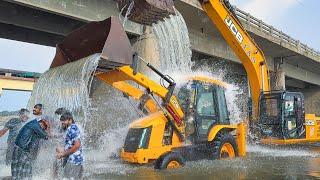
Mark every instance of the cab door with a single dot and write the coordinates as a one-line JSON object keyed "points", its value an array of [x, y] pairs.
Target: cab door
{"points": [[293, 115], [206, 110]]}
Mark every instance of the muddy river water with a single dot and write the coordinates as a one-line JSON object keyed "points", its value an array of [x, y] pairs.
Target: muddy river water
{"points": [[260, 163]]}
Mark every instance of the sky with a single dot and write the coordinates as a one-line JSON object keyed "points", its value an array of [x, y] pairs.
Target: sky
{"points": [[297, 18]]}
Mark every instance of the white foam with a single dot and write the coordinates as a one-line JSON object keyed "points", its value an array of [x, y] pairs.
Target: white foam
{"points": [[279, 151]]}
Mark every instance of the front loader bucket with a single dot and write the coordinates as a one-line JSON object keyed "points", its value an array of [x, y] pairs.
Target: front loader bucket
{"points": [[106, 37], [147, 12]]}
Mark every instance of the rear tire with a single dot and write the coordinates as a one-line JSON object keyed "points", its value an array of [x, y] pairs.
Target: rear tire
{"points": [[223, 146], [171, 160]]}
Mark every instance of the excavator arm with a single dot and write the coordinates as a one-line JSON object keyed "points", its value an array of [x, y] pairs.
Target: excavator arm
{"points": [[252, 58]]}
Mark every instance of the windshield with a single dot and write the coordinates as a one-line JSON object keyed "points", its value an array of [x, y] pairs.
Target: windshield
{"points": [[270, 109], [186, 96]]}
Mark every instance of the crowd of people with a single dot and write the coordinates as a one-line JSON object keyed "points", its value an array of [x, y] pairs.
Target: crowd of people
{"points": [[26, 135]]}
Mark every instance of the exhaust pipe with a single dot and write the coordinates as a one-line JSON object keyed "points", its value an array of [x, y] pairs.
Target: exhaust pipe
{"points": [[106, 37]]}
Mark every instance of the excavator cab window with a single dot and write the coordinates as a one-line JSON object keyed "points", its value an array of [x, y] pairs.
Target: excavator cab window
{"points": [[282, 115], [270, 115], [293, 116]]}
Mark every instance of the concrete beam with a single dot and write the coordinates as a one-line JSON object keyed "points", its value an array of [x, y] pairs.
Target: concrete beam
{"points": [[18, 33], [84, 10], [301, 74], [295, 83], [30, 18], [13, 83], [211, 45]]}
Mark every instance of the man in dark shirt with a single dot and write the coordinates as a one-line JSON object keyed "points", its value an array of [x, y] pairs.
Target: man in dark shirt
{"points": [[13, 126], [21, 166]]}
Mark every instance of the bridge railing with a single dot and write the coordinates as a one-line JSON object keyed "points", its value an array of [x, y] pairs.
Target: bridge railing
{"points": [[271, 31]]}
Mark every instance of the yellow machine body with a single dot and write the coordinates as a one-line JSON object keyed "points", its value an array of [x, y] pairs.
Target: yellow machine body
{"points": [[157, 122], [312, 128]]}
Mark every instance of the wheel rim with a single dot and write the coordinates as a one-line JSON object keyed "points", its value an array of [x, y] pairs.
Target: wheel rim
{"points": [[227, 151], [173, 165]]}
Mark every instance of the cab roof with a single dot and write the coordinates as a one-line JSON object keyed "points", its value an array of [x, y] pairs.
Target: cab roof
{"points": [[209, 80]]}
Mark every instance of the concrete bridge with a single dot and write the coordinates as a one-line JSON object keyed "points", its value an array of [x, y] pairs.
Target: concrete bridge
{"points": [[47, 22], [17, 80]]}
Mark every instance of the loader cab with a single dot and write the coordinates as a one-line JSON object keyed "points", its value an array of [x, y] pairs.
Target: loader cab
{"points": [[204, 105], [282, 115]]}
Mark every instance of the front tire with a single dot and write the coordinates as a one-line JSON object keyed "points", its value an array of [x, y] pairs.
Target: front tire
{"points": [[224, 146], [171, 160]]}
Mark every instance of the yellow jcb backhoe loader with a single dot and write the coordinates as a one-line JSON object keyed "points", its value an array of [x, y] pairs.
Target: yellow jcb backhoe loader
{"points": [[194, 125], [280, 115]]}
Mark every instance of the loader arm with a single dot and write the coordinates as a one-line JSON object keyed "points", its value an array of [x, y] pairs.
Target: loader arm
{"points": [[172, 110], [252, 58], [110, 78]]}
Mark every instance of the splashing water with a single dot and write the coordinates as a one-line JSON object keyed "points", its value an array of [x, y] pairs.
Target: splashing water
{"points": [[281, 151], [129, 9], [175, 59], [174, 45], [66, 86], [94, 104]]}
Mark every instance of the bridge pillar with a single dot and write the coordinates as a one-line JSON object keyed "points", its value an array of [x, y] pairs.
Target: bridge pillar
{"points": [[147, 48], [312, 100], [278, 76]]}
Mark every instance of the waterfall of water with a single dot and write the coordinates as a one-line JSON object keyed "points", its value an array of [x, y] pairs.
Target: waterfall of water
{"points": [[129, 9], [175, 59], [66, 86], [174, 45]]}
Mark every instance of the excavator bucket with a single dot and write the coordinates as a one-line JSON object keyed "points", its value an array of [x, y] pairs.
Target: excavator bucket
{"points": [[106, 37], [146, 12]]}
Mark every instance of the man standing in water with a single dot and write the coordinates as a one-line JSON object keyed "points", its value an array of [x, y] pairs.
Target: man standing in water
{"points": [[72, 152], [13, 126], [37, 111], [21, 165]]}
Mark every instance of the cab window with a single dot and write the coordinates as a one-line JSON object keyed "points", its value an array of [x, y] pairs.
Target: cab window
{"points": [[223, 111], [205, 104]]}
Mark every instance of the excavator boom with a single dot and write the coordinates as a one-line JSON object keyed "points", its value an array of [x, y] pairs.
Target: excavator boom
{"points": [[242, 44]]}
